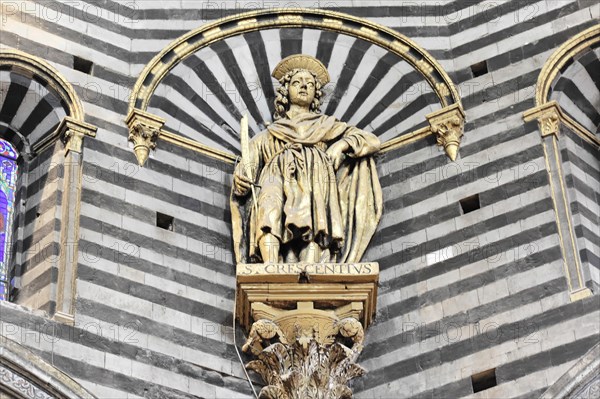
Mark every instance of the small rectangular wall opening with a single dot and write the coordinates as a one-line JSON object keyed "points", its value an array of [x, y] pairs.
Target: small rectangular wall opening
{"points": [[82, 65], [164, 221], [470, 204], [484, 380], [479, 69]]}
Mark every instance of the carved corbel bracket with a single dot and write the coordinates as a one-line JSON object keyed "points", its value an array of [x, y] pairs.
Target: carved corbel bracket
{"points": [[448, 125], [548, 116], [144, 129]]}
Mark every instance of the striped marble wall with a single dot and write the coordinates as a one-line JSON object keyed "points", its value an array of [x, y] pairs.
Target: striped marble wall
{"points": [[460, 293], [40, 243], [576, 90], [582, 174]]}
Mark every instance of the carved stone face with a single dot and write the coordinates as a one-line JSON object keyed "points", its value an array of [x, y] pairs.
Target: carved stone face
{"points": [[302, 89]]}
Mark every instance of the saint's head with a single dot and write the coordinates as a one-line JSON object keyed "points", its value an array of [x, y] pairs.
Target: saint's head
{"points": [[300, 80]]}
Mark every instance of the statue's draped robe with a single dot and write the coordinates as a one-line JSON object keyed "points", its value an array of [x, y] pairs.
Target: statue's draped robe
{"points": [[301, 197]]}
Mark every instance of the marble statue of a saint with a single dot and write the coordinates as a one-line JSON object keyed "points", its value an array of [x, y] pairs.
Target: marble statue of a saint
{"points": [[318, 197]]}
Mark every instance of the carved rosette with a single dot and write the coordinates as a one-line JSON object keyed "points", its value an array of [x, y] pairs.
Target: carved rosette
{"points": [[316, 360], [448, 126], [144, 130]]}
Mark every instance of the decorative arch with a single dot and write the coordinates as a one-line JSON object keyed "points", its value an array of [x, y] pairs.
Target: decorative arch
{"points": [[146, 128], [44, 115], [25, 375], [39, 70], [548, 111], [562, 135], [561, 58], [47, 78]]}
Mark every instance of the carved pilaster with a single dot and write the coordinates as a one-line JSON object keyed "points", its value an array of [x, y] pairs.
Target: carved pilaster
{"points": [[550, 117], [448, 126], [71, 133], [144, 129], [306, 336]]}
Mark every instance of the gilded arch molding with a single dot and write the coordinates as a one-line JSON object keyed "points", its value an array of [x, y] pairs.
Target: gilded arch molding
{"points": [[145, 128], [31, 66], [34, 67]]}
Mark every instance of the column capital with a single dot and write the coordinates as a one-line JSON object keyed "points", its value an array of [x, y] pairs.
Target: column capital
{"points": [[448, 126], [144, 129], [72, 131], [548, 115]]}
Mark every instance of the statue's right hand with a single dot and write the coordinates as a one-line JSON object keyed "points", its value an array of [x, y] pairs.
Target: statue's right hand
{"points": [[241, 185]]}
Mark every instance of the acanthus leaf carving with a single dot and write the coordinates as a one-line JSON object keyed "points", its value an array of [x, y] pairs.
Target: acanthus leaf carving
{"points": [[448, 126], [314, 364], [144, 130]]}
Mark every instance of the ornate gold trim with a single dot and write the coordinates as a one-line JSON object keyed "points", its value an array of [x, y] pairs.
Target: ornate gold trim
{"points": [[30, 65], [184, 46], [144, 130], [550, 115], [560, 57], [197, 147], [238, 24], [405, 139], [309, 313], [448, 125]]}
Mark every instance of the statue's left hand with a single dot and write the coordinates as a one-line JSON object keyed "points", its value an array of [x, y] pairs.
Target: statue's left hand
{"points": [[337, 153]]}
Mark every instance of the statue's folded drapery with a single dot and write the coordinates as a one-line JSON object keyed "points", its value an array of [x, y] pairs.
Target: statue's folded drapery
{"points": [[302, 197]]}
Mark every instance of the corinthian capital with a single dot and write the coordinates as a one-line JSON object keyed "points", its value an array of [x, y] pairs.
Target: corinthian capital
{"points": [[144, 129], [305, 353], [448, 125]]}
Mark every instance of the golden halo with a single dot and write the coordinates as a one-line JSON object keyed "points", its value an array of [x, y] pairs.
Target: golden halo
{"points": [[302, 61]]}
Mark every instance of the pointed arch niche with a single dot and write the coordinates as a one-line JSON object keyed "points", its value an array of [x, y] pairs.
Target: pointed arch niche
{"points": [[194, 92], [42, 119]]}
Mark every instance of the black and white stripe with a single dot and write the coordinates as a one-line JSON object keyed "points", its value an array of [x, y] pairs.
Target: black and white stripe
{"points": [[577, 89], [176, 286], [28, 107], [201, 106]]}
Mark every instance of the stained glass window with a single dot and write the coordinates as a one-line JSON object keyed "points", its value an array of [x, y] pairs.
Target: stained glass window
{"points": [[8, 178]]}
